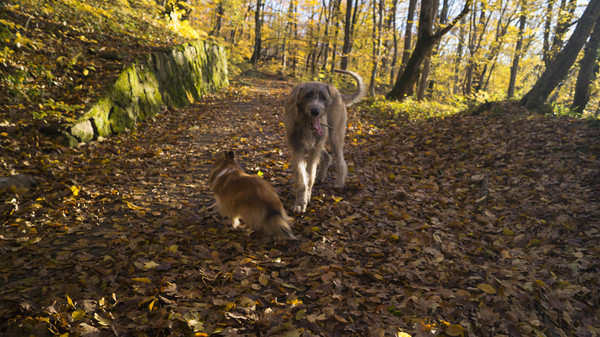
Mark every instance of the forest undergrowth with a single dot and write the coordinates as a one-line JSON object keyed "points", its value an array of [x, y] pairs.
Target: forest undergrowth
{"points": [[484, 223]]}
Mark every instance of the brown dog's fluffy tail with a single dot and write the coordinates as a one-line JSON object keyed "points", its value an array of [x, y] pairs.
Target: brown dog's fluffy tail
{"points": [[278, 225], [359, 93]]}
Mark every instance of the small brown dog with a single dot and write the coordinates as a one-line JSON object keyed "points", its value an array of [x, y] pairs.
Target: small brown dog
{"points": [[250, 198]]}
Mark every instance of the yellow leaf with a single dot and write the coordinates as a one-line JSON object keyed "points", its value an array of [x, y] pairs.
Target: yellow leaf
{"points": [[294, 301], [141, 279], [75, 190], [130, 205], [150, 265], [402, 334], [78, 314], [260, 173], [70, 301], [488, 289], [85, 72], [151, 305], [230, 306]]}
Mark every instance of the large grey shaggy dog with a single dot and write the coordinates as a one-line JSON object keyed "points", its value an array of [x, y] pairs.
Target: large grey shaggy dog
{"points": [[315, 112]]}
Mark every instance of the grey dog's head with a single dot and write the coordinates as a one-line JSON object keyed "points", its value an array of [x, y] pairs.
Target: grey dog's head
{"points": [[313, 100]]}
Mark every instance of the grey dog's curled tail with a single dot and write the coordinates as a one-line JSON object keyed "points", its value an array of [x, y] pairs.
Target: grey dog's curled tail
{"points": [[359, 93]]}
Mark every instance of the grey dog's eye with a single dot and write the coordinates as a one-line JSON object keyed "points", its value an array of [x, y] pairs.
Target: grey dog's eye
{"points": [[309, 95]]}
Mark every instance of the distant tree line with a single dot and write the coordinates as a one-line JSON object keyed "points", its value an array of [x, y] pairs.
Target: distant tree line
{"points": [[532, 50]]}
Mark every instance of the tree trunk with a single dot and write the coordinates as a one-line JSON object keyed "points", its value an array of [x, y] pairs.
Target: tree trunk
{"points": [[394, 41], [587, 71], [332, 9], [514, 69], [560, 65], [257, 33], [410, 18], [563, 23], [547, 25], [459, 56], [424, 82], [348, 39], [288, 32], [492, 55], [425, 43], [294, 8], [377, 36], [423, 85], [216, 31]]}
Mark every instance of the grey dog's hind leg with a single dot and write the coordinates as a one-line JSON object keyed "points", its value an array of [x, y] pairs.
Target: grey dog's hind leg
{"points": [[323, 166], [336, 141]]}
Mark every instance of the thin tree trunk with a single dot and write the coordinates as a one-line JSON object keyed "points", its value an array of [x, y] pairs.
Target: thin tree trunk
{"points": [[564, 22], [492, 55], [347, 47], [216, 31], [332, 9], [335, 46], [295, 35], [587, 71], [559, 67], [514, 69], [410, 18], [377, 36], [257, 33], [395, 41], [547, 26], [459, 56], [422, 88], [288, 32]]}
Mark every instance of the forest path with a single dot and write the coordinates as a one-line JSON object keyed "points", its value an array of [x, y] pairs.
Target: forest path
{"points": [[482, 224]]}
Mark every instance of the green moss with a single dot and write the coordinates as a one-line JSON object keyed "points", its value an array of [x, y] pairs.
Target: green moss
{"points": [[175, 77]]}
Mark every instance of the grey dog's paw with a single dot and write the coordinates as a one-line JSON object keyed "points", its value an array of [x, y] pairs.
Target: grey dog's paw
{"points": [[298, 208]]}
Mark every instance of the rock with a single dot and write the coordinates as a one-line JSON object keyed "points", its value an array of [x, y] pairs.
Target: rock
{"points": [[18, 181], [172, 77]]}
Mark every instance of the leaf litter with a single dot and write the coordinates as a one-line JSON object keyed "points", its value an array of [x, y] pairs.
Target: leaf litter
{"points": [[478, 224]]}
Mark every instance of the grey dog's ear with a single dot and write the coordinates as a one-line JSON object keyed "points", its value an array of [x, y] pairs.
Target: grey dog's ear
{"points": [[296, 99], [229, 155]]}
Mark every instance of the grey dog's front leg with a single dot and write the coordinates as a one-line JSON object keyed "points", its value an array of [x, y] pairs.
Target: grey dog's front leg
{"points": [[306, 172], [301, 178]]}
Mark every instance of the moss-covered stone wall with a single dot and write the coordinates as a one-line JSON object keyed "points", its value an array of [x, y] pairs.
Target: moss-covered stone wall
{"points": [[172, 77]]}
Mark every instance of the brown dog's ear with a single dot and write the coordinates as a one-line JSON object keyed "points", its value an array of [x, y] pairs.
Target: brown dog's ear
{"points": [[229, 155]]}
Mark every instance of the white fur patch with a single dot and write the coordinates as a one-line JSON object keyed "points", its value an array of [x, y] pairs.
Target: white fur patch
{"points": [[223, 172]]}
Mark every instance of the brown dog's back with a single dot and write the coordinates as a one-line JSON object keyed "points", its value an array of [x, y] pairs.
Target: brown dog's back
{"points": [[240, 195]]}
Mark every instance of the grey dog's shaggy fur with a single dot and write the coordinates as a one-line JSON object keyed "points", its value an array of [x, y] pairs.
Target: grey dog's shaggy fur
{"points": [[315, 112]]}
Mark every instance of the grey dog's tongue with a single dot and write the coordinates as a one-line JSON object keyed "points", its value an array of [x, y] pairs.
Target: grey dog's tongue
{"points": [[317, 125]]}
